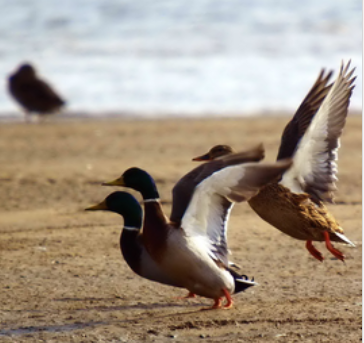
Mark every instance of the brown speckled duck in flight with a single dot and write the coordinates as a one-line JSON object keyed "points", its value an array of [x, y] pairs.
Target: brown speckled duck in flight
{"points": [[295, 204], [32, 93]]}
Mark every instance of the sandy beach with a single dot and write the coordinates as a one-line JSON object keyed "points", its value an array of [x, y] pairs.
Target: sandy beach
{"points": [[63, 278]]}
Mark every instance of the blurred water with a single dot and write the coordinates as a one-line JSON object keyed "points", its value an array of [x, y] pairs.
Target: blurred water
{"points": [[177, 57]]}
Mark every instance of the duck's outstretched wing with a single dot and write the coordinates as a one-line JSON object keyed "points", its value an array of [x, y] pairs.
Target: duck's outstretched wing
{"points": [[208, 211], [297, 127], [314, 169], [184, 188]]}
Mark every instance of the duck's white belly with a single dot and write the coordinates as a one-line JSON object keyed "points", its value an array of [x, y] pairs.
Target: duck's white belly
{"points": [[191, 266]]}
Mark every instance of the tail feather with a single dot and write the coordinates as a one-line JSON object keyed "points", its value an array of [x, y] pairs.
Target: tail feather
{"points": [[242, 282], [344, 239]]}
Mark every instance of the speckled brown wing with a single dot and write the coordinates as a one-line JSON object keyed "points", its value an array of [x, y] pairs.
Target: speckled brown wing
{"points": [[184, 188], [297, 127]]}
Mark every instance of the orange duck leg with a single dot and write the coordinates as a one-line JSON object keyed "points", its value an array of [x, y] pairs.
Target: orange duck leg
{"points": [[338, 254], [313, 251], [229, 303], [218, 301]]}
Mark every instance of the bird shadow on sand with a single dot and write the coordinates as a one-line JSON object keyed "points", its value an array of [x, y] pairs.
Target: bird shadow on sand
{"points": [[180, 303], [77, 325]]}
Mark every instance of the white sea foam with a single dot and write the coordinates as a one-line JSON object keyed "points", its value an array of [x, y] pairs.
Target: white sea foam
{"points": [[159, 57]]}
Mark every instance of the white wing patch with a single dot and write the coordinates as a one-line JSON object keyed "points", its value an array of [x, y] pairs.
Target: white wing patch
{"points": [[208, 212], [314, 169], [205, 206]]}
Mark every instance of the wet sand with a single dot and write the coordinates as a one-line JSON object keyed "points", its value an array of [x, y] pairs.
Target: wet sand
{"points": [[63, 278]]}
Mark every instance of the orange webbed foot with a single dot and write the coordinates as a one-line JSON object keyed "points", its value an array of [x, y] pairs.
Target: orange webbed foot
{"points": [[313, 251], [338, 254], [188, 296], [215, 306]]}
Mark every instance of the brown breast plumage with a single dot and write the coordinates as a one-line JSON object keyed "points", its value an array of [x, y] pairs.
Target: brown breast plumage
{"points": [[294, 214]]}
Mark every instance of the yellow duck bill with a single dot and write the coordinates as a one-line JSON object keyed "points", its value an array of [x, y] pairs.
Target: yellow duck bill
{"points": [[99, 207], [117, 182]]}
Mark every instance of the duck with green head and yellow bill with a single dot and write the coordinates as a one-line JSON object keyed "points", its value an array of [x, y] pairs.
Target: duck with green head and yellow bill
{"points": [[194, 252], [295, 204], [131, 239]]}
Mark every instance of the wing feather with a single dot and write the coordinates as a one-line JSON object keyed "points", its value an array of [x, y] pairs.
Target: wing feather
{"points": [[183, 190], [314, 169], [208, 211], [297, 127]]}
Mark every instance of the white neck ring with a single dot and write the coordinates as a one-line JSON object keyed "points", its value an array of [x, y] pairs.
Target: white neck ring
{"points": [[131, 228], [151, 200]]}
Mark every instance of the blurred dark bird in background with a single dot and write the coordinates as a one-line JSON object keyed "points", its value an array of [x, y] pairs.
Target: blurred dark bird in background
{"points": [[32, 93]]}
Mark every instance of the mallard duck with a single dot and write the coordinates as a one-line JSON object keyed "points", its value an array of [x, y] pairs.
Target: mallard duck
{"points": [[194, 253], [32, 93], [295, 204], [132, 243], [131, 239]]}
